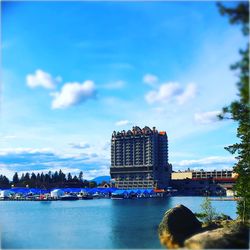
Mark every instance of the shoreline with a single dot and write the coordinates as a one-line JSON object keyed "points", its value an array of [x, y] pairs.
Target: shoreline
{"points": [[132, 198]]}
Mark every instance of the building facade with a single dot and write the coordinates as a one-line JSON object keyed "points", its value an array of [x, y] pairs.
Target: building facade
{"points": [[200, 174], [139, 158], [199, 182]]}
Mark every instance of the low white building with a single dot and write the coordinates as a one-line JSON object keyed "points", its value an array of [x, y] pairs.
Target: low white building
{"points": [[57, 193], [6, 193]]}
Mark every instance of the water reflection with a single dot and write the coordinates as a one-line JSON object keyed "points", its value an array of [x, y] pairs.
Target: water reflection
{"points": [[135, 222]]}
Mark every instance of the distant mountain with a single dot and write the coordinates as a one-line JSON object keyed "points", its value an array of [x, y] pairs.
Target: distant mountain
{"points": [[100, 179]]}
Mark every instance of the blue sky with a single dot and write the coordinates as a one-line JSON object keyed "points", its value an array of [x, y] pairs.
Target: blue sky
{"points": [[72, 72]]}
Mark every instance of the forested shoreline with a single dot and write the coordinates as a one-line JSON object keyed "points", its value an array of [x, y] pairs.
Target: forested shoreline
{"points": [[58, 179]]}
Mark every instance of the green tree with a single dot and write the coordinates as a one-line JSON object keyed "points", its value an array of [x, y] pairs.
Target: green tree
{"points": [[239, 111], [15, 179], [80, 176], [69, 177], [4, 182], [208, 213]]}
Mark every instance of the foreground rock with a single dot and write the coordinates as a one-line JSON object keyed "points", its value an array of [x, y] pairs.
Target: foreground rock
{"points": [[177, 225], [181, 229], [233, 236]]}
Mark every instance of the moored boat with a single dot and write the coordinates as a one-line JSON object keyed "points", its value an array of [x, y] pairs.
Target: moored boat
{"points": [[69, 197], [117, 196], [87, 197]]}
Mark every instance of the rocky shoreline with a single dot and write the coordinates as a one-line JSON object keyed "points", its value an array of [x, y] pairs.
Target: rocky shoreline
{"points": [[180, 228]]}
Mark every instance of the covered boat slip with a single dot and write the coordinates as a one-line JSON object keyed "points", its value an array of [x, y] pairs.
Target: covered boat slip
{"points": [[81, 193], [134, 193]]}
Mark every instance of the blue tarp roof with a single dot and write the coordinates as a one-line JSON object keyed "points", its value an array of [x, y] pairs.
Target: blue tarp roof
{"points": [[71, 190], [78, 190], [131, 191], [28, 190], [120, 192]]}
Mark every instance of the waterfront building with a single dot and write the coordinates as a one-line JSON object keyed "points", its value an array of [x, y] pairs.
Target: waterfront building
{"points": [[200, 182], [201, 174], [139, 158]]}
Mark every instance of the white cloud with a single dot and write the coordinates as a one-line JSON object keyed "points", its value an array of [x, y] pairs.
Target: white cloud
{"points": [[150, 79], [115, 85], [206, 117], [122, 123], [188, 93], [171, 91], [73, 93], [7, 151], [81, 145], [6, 172], [93, 173], [208, 160], [207, 163], [165, 92], [44, 159], [42, 79]]}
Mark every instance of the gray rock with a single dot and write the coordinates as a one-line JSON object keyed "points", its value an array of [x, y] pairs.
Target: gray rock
{"points": [[234, 237], [178, 224]]}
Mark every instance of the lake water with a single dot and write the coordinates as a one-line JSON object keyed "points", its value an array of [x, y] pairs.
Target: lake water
{"points": [[100, 223]]}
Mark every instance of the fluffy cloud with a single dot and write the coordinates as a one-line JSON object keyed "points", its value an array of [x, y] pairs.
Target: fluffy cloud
{"points": [[73, 93], [81, 145], [208, 160], [166, 92], [43, 160], [187, 94], [208, 163], [16, 151], [150, 79], [206, 117], [122, 123], [171, 91], [42, 79]]}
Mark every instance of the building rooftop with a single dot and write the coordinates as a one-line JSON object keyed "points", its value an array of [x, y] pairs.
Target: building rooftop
{"points": [[136, 130]]}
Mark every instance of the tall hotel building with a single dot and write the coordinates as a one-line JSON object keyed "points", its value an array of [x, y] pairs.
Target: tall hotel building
{"points": [[139, 158]]}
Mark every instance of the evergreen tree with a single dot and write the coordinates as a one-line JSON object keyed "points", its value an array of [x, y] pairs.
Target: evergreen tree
{"points": [[55, 177], [38, 178], [80, 176], [239, 111], [61, 177], [27, 178], [33, 177], [42, 178], [4, 182], [69, 177], [21, 179], [33, 182], [15, 179]]}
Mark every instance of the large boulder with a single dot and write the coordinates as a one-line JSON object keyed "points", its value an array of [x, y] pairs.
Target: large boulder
{"points": [[178, 224], [234, 236]]}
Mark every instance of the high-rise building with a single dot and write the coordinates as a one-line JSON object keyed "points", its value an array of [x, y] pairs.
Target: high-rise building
{"points": [[139, 158]]}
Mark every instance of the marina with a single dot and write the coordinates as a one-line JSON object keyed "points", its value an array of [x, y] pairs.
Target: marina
{"points": [[34, 194]]}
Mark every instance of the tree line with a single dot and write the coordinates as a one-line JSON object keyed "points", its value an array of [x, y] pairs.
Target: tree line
{"points": [[48, 180], [239, 110]]}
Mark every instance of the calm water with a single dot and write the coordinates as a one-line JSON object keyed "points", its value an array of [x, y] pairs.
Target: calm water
{"points": [[91, 223]]}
